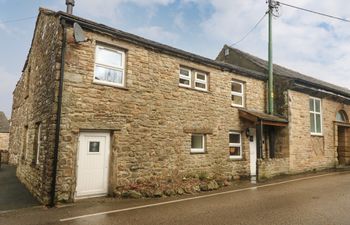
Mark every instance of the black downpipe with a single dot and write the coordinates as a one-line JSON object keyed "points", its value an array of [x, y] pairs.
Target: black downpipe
{"points": [[58, 117]]}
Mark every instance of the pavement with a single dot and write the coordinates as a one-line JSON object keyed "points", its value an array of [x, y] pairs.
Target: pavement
{"points": [[320, 199], [13, 194]]}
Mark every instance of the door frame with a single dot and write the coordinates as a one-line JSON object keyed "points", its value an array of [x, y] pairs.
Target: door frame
{"points": [[253, 149], [108, 162]]}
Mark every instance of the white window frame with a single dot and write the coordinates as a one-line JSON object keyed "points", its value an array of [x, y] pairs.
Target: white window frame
{"points": [[38, 144], [198, 150], [316, 113], [189, 77], [118, 68], [234, 93], [240, 156], [205, 81]]}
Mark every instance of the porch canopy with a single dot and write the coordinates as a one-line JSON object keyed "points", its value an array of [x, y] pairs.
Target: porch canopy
{"points": [[263, 118]]}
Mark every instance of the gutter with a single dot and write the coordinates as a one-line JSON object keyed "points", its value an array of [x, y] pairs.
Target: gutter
{"points": [[322, 91], [58, 117], [162, 48]]}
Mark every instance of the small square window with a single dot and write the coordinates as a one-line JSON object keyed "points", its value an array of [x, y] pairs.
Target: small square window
{"points": [[235, 145], [94, 146], [197, 143], [185, 77], [201, 81]]}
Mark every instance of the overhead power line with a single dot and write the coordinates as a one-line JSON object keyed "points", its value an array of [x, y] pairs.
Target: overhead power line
{"points": [[17, 20], [250, 31], [314, 12]]}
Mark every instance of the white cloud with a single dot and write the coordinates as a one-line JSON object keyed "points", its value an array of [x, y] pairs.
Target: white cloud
{"points": [[110, 8], [309, 43], [156, 33]]}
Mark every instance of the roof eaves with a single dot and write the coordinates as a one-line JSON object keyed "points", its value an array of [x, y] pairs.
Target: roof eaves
{"points": [[160, 47], [299, 76]]}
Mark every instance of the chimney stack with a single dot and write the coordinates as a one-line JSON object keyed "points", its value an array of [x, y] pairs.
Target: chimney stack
{"points": [[70, 4]]}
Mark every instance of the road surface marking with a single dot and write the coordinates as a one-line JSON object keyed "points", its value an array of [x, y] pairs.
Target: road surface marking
{"points": [[196, 197]]}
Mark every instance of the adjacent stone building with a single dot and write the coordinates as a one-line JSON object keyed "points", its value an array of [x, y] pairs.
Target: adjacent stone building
{"points": [[99, 111], [4, 137], [318, 131]]}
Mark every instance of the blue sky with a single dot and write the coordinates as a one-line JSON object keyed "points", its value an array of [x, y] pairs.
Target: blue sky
{"points": [[311, 44]]}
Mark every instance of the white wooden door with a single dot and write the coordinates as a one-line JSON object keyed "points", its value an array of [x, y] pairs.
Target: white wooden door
{"points": [[253, 156], [93, 164]]}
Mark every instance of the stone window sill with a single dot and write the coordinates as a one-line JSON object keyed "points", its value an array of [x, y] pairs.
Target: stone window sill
{"points": [[195, 89], [238, 106], [236, 159], [316, 135], [111, 85], [198, 153]]}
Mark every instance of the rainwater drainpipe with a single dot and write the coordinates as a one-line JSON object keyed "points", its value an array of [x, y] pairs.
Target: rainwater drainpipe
{"points": [[58, 116]]}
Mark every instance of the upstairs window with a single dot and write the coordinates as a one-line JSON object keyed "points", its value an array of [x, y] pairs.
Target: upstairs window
{"points": [[235, 145], [198, 81], [237, 93], [315, 116], [197, 143], [109, 66], [201, 81], [185, 77]]}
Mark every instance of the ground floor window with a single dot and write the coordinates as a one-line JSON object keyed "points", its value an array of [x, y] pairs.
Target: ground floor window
{"points": [[197, 143], [235, 145], [36, 146]]}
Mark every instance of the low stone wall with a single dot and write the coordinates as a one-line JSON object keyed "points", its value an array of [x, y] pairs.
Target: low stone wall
{"points": [[4, 156], [4, 146], [4, 141], [272, 167]]}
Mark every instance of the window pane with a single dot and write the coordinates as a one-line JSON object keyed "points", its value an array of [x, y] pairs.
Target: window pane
{"points": [[312, 123], [183, 81], [318, 123], [237, 100], [184, 72], [235, 138], [236, 87], [341, 117], [311, 104], [317, 105], [200, 85], [108, 57], [94, 146], [200, 76], [105, 74], [197, 141], [235, 151]]}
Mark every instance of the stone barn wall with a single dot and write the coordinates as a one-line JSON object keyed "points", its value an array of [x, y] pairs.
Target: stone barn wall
{"points": [[34, 103]]}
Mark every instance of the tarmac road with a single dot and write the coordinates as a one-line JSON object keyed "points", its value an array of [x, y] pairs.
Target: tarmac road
{"points": [[321, 200]]}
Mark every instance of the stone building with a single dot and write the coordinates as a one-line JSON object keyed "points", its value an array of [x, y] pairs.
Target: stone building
{"points": [[100, 111], [4, 137], [317, 112]]}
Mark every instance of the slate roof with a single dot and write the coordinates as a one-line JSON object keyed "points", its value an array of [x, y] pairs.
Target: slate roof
{"points": [[265, 116], [299, 77], [156, 46], [4, 123]]}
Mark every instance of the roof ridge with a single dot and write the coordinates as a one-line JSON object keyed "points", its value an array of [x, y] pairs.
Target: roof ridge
{"points": [[302, 77], [167, 49]]}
